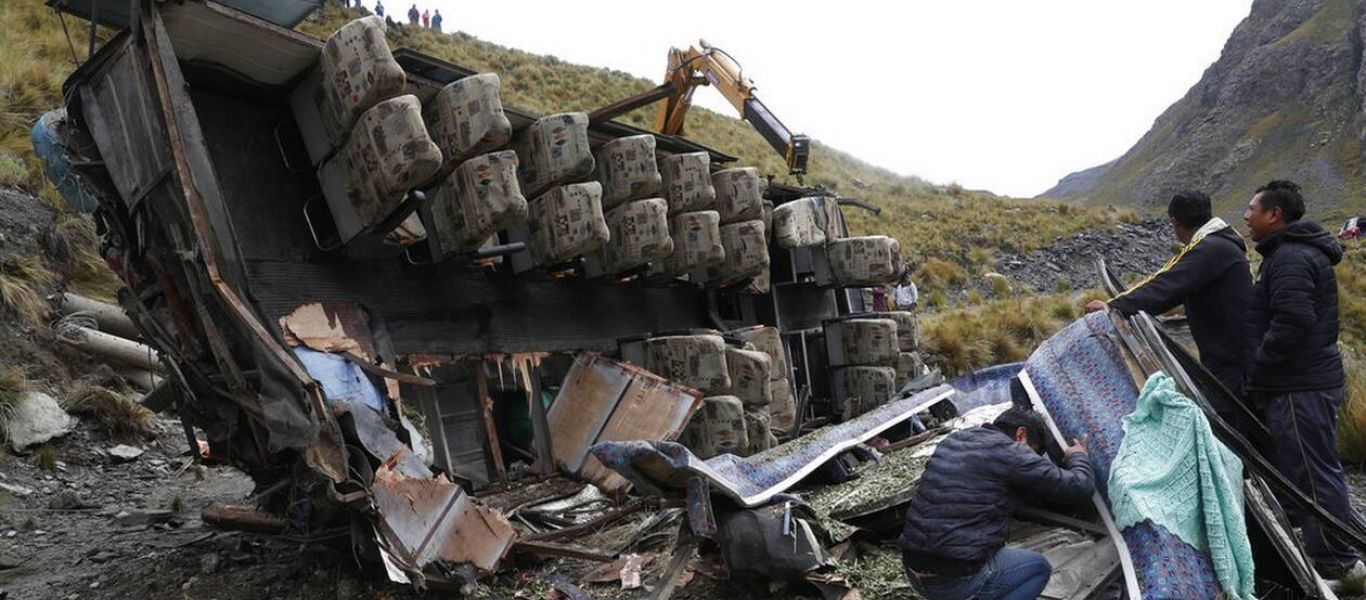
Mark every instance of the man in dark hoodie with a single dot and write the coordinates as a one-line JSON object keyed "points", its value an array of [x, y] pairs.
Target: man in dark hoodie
{"points": [[1210, 276], [1294, 371], [953, 545]]}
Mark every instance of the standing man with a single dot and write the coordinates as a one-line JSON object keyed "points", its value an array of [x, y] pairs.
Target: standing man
{"points": [[436, 21], [379, 8], [1211, 277], [1294, 371], [953, 545], [413, 15]]}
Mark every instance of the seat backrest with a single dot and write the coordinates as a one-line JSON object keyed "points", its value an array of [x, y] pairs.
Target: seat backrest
{"points": [[800, 223], [388, 154], [686, 182], [864, 388], [697, 361], [749, 372], [639, 235], [477, 200], [746, 253], [739, 194], [697, 242], [627, 170], [864, 261], [554, 150], [870, 342], [567, 222], [357, 72], [466, 119]]}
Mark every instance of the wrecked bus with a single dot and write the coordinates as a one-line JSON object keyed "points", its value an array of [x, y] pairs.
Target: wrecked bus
{"points": [[314, 234]]}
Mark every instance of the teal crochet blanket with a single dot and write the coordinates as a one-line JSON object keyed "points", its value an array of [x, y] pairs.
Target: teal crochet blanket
{"points": [[1171, 469]]}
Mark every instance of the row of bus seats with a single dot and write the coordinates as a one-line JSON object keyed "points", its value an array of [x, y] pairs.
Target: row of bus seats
{"points": [[372, 146], [744, 379]]}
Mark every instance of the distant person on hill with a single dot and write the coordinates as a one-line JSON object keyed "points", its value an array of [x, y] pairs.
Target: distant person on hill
{"points": [[413, 15], [904, 294], [1294, 370], [1211, 277], [426, 18], [436, 21], [954, 543], [379, 8]]}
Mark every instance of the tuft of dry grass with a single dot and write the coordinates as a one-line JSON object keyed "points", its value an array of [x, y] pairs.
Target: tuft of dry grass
{"points": [[45, 457], [1352, 422], [998, 331], [116, 414], [22, 280], [72, 244]]}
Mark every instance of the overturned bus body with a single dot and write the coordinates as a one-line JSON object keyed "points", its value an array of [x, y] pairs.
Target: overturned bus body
{"points": [[321, 236]]}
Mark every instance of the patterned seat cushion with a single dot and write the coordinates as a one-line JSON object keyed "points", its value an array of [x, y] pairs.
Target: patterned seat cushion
{"points": [[864, 388], [909, 365], [865, 342], [697, 242], [864, 261], [554, 150], [639, 235], [907, 328], [480, 198], [782, 406], [627, 169], [566, 223], [686, 181], [719, 427], [758, 431], [357, 72], [388, 154], [766, 339], [697, 361], [749, 377], [739, 194], [466, 118], [746, 253], [800, 223]]}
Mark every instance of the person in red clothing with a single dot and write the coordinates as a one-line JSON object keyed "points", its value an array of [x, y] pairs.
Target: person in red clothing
{"points": [[426, 18]]}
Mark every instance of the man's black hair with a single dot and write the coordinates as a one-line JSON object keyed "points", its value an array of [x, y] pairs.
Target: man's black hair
{"points": [[1284, 195], [1190, 209], [1016, 417]]}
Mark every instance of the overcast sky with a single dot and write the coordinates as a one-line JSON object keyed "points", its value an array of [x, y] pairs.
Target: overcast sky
{"points": [[1004, 95]]}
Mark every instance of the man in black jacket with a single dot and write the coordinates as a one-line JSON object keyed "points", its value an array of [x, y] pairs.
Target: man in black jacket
{"points": [[953, 545], [1294, 371], [1210, 276]]}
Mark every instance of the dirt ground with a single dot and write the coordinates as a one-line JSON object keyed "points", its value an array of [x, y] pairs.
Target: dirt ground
{"points": [[93, 527]]}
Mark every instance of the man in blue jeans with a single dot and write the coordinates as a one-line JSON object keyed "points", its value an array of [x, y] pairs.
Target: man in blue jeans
{"points": [[953, 545]]}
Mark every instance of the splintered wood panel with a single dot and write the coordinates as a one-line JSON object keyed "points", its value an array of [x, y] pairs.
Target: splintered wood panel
{"points": [[651, 409], [585, 403]]}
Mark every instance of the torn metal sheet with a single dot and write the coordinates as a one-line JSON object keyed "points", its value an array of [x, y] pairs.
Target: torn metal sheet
{"points": [[380, 441], [604, 400], [337, 328], [426, 520], [754, 480]]}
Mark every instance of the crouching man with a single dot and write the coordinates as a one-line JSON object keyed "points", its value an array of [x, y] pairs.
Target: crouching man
{"points": [[953, 546]]}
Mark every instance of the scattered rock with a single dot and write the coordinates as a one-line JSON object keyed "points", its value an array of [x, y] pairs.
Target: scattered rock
{"points": [[37, 418], [15, 489], [135, 518], [209, 563], [347, 589], [67, 499], [124, 453]]}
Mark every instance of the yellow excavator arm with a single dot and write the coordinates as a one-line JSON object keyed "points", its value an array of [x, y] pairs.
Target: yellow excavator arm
{"points": [[710, 65]]}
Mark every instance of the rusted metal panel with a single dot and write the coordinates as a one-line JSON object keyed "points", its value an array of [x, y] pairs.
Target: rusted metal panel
{"points": [[127, 125], [428, 520], [604, 400]]}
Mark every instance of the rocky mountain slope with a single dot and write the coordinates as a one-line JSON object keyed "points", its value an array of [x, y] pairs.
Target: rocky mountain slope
{"points": [[1284, 100]]}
